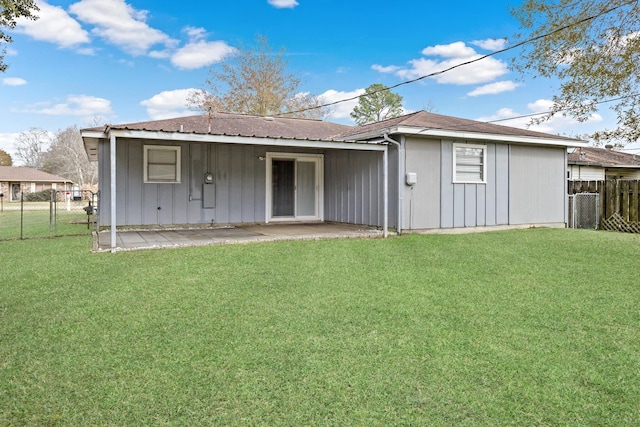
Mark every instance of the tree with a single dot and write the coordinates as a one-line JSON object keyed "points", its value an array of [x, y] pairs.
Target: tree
{"points": [[66, 157], [377, 103], [596, 60], [5, 158], [9, 11], [31, 146], [256, 83]]}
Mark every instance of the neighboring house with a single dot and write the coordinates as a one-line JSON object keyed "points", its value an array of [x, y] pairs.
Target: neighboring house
{"points": [[15, 180], [597, 164], [415, 172]]}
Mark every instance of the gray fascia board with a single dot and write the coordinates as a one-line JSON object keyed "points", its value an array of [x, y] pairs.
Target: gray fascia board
{"points": [[246, 140], [474, 136]]}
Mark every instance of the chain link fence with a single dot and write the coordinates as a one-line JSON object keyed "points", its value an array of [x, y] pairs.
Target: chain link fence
{"points": [[48, 214], [584, 210]]}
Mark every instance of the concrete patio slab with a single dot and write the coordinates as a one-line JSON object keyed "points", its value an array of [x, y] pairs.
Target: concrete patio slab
{"points": [[127, 240]]}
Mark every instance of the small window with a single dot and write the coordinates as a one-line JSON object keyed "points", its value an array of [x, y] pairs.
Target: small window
{"points": [[161, 164], [469, 163]]}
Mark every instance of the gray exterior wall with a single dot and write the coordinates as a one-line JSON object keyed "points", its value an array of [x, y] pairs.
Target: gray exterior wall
{"points": [[538, 191], [353, 191], [524, 185]]}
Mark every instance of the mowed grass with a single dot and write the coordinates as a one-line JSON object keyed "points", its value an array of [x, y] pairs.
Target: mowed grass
{"points": [[529, 327], [40, 223]]}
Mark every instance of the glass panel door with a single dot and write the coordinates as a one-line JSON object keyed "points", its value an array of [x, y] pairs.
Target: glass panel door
{"points": [[306, 188], [283, 188]]}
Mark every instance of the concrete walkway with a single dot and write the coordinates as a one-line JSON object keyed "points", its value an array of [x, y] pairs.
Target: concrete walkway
{"points": [[127, 240]]}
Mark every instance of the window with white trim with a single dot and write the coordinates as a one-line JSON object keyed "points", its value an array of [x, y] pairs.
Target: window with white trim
{"points": [[469, 163], [162, 164]]}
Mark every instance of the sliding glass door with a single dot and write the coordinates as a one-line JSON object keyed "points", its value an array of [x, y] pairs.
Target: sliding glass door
{"points": [[294, 187]]}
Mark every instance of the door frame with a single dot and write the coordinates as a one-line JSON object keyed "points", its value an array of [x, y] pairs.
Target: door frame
{"points": [[318, 159]]}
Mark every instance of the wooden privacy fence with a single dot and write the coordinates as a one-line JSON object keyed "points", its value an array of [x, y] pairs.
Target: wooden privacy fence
{"points": [[619, 207]]}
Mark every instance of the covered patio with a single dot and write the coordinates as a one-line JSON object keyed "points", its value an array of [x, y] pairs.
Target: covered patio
{"points": [[129, 240]]}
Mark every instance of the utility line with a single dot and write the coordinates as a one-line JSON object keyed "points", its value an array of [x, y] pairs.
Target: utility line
{"points": [[436, 73]]}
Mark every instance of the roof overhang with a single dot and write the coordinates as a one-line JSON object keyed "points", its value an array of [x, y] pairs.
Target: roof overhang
{"points": [[92, 138], [473, 136]]}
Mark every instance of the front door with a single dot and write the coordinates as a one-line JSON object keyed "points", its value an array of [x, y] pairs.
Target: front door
{"points": [[15, 192], [294, 187]]}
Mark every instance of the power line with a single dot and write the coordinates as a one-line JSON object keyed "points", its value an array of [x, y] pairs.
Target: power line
{"points": [[436, 73]]}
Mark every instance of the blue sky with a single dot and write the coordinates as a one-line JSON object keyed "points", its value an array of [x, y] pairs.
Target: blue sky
{"points": [[119, 61]]}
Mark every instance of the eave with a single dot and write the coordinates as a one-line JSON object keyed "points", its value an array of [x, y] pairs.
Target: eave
{"points": [[91, 140], [471, 136]]}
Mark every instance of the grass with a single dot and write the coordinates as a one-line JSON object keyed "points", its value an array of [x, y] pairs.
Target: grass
{"points": [[38, 223], [529, 327]]}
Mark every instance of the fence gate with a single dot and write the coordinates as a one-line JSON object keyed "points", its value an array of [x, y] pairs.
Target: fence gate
{"points": [[585, 212]]}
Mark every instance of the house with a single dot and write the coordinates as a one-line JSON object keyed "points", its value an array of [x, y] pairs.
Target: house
{"points": [[420, 171], [15, 180], [597, 164]]}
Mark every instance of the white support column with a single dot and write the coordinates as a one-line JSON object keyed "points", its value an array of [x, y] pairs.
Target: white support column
{"points": [[112, 173], [385, 190]]}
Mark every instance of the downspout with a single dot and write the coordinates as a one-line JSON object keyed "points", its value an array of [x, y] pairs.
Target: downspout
{"points": [[112, 173], [400, 180]]}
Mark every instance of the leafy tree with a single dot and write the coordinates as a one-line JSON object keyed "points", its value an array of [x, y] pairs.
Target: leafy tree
{"points": [[596, 60], [377, 103], [31, 146], [5, 158], [66, 157], [9, 11], [255, 81]]}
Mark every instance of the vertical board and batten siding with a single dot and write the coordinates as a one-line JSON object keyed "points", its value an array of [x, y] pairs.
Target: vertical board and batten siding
{"points": [[538, 185], [353, 185], [422, 202], [471, 204]]}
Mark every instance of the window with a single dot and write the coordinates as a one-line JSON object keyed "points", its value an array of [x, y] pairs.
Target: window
{"points": [[161, 164], [469, 163]]}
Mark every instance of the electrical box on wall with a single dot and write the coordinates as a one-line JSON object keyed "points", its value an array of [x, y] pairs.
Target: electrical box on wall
{"points": [[411, 178]]}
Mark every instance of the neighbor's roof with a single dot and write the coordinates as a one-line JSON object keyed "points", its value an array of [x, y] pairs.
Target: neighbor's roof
{"points": [[240, 125], [602, 157], [425, 123], [24, 174]]}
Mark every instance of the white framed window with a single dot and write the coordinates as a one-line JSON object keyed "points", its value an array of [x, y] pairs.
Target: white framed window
{"points": [[469, 163], [162, 164]]}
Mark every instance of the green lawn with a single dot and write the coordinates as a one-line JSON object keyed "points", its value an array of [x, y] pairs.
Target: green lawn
{"points": [[40, 223], [529, 327]]}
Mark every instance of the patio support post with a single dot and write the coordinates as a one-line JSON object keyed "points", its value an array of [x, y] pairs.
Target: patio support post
{"points": [[400, 199], [112, 174], [385, 191]]}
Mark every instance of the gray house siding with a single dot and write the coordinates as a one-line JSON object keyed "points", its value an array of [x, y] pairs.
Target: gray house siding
{"points": [[538, 178], [524, 185], [422, 203], [353, 185]]}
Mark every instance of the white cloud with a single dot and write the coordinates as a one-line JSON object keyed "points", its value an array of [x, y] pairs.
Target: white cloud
{"points": [[120, 24], [454, 54], [556, 125], [75, 105], [490, 44], [200, 54], [55, 26], [13, 81], [283, 4], [168, 104], [386, 70], [452, 50], [344, 109], [494, 88]]}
